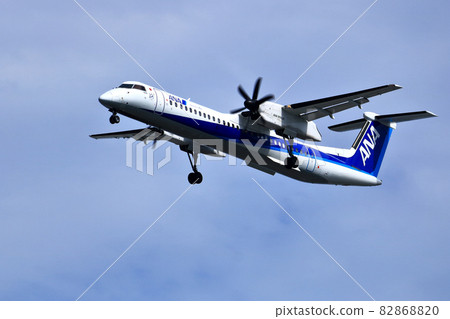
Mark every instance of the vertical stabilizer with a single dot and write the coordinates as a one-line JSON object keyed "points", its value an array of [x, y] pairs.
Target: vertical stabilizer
{"points": [[371, 147]]}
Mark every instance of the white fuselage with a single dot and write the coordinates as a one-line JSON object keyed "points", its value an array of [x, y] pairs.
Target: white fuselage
{"points": [[192, 121]]}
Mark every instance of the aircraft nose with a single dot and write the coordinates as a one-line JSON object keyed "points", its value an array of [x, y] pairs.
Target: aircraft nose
{"points": [[106, 99]]}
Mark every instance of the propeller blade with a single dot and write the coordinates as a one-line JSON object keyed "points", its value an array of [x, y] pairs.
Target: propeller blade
{"points": [[252, 104], [266, 98], [243, 93], [256, 89], [237, 110]]}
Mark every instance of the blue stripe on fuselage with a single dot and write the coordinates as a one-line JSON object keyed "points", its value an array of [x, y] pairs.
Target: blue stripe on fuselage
{"points": [[229, 133]]}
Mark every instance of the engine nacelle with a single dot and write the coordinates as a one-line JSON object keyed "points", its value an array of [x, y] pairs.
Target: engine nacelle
{"points": [[278, 119]]}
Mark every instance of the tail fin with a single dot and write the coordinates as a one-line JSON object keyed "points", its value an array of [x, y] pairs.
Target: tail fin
{"points": [[371, 142], [370, 147]]}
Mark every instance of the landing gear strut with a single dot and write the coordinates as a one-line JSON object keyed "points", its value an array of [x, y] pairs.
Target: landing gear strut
{"points": [[114, 119], [291, 161], [195, 177]]}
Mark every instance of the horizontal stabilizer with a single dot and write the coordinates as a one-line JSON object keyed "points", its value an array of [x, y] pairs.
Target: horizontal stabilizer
{"points": [[404, 117], [384, 119], [348, 126]]}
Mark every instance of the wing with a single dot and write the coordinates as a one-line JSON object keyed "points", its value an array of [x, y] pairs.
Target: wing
{"points": [[145, 134], [315, 109], [156, 134], [122, 134]]}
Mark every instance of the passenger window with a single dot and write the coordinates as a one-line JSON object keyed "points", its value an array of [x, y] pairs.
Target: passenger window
{"points": [[199, 113], [170, 102], [195, 111], [190, 109], [209, 117], [185, 108], [214, 119]]}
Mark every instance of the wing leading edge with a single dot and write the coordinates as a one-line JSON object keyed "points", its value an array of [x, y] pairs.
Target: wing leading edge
{"points": [[315, 109]]}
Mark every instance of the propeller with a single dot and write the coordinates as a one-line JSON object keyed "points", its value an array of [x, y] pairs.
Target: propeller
{"points": [[252, 104]]}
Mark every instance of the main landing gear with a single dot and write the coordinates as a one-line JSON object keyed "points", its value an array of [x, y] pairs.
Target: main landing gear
{"points": [[291, 161], [195, 177], [114, 119]]}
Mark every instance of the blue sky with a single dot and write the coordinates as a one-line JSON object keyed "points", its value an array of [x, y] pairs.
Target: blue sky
{"points": [[69, 206]]}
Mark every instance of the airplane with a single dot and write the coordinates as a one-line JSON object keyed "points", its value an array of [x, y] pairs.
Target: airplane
{"points": [[268, 136]]}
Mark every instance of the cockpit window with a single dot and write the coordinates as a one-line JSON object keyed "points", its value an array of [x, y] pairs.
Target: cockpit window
{"points": [[139, 87], [134, 86]]}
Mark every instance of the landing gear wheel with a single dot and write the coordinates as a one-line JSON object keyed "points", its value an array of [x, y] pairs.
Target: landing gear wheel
{"points": [[114, 119], [291, 162], [195, 178]]}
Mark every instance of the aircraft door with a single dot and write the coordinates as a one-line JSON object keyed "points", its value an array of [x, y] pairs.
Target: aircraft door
{"points": [[152, 99], [311, 165], [160, 102]]}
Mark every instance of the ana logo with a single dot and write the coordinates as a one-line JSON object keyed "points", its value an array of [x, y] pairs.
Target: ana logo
{"points": [[174, 98], [368, 144]]}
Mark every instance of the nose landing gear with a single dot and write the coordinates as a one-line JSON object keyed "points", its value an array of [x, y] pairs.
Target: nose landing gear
{"points": [[114, 119]]}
